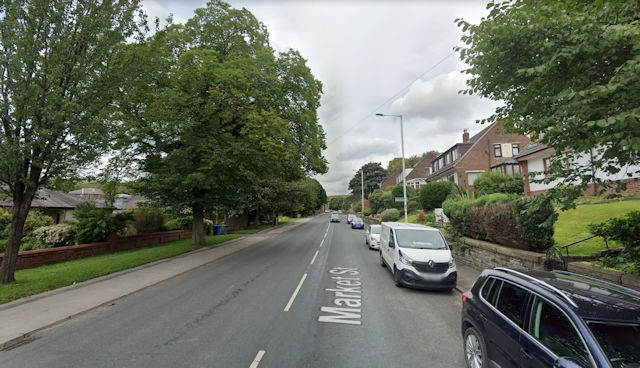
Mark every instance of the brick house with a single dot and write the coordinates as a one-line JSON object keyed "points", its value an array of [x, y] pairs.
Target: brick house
{"points": [[536, 158], [417, 177], [392, 180], [490, 149]]}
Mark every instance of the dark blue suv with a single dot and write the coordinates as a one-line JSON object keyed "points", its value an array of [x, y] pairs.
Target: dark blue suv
{"points": [[549, 319]]}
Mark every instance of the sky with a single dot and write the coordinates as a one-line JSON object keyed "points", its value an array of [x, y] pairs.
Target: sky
{"points": [[393, 57]]}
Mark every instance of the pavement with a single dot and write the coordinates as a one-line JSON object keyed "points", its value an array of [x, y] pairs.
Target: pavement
{"points": [[22, 318]]}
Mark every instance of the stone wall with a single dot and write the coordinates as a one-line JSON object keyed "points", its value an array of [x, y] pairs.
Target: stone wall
{"points": [[481, 254]]}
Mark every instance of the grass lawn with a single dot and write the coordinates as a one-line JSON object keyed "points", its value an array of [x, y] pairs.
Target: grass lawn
{"points": [[33, 281], [572, 225]]}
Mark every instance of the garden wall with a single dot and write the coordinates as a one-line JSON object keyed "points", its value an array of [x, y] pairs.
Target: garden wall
{"points": [[40, 257], [481, 254]]}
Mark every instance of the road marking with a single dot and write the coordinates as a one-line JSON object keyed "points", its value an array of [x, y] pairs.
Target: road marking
{"points": [[257, 359], [314, 257], [295, 293]]}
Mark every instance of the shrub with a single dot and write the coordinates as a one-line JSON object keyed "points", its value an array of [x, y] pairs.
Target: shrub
{"points": [[390, 214], [147, 220], [433, 194], [55, 235], [507, 219], [494, 182], [180, 223], [535, 217], [95, 224], [625, 230]]}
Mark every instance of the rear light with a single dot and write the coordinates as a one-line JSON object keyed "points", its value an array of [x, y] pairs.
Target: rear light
{"points": [[464, 297]]}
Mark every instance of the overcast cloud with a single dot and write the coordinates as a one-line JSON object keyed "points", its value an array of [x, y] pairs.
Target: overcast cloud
{"points": [[372, 56]]}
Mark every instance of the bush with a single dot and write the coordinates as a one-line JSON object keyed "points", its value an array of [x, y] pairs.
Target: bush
{"points": [[55, 235], [147, 220], [180, 223], [490, 182], [95, 224], [390, 214], [625, 230], [433, 194], [535, 217], [506, 219]]}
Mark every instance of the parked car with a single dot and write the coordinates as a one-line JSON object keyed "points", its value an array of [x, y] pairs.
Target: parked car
{"points": [[549, 319], [418, 256], [335, 217], [350, 218], [372, 236], [357, 223]]}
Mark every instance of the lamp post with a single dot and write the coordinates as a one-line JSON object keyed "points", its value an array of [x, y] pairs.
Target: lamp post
{"points": [[362, 190], [404, 179]]}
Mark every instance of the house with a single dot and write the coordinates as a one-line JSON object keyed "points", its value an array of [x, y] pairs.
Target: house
{"points": [[417, 177], [490, 149], [535, 159], [57, 205], [392, 180]]}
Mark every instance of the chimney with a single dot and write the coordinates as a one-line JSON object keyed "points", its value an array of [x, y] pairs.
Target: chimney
{"points": [[465, 136]]}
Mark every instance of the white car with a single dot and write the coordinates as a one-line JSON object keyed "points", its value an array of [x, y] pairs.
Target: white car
{"points": [[372, 236]]}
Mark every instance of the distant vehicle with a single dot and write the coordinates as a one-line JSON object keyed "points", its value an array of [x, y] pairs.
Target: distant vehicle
{"points": [[372, 236], [357, 223], [350, 218], [418, 256], [335, 217], [549, 319]]}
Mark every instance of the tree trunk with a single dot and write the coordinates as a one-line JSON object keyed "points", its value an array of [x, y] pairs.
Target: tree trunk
{"points": [[256, 221], [198, 231], [21, 205]]}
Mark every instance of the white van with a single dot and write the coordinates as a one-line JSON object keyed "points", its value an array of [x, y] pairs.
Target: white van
{"points": [[417, 256]]}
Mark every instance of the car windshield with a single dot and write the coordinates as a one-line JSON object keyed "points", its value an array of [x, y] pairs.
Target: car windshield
{"points": [[620, 342], [376, 229], [420, 239]]}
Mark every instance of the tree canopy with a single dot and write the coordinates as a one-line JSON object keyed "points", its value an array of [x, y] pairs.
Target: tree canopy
{"points": [[59, 77], [221, 115], [373, 174], [567, 72]]}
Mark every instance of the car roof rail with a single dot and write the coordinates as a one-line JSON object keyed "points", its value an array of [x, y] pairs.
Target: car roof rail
{"points": [[540, 283], [619, 288]]}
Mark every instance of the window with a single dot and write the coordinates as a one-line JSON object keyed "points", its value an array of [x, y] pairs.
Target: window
{"points": [[546, 162], [515, 148], [511, 302], [556, 332], [497, 150], [428, 171]]}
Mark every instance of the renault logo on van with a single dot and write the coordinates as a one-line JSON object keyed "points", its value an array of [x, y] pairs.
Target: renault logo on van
{"points": [[430, 263]]}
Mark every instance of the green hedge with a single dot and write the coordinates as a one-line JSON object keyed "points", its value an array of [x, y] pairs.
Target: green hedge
{"points": [[506, 219]]}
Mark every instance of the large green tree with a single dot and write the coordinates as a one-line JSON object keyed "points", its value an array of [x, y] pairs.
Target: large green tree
{"points": [[222, 114], [567, 72], [372, 173], [58, 79]]}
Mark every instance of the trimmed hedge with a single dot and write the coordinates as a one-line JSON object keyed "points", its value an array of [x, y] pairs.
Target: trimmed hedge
{"points": [[506, 219]]}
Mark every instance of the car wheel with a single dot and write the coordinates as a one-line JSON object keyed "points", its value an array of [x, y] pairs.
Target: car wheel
{"points": [[382, 260], [475, 351], [396, 277]]}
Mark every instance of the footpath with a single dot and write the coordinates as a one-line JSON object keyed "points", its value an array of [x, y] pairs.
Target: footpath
{"points": [[22, 318]]}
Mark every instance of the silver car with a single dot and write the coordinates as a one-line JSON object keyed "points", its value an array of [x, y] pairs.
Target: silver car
{"points": [[372, 236]]}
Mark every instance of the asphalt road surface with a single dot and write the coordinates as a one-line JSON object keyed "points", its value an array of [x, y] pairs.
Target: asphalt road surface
{"points": [[314, 296]]}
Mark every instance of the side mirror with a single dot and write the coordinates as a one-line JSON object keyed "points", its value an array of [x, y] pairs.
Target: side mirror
{"points": [[450, 246]]}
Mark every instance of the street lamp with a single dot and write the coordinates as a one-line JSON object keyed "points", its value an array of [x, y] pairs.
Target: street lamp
{"points": [[362, 190], [404, 179]]}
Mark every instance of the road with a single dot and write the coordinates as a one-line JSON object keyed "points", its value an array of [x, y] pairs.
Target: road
{"points": [[314, 296]]}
